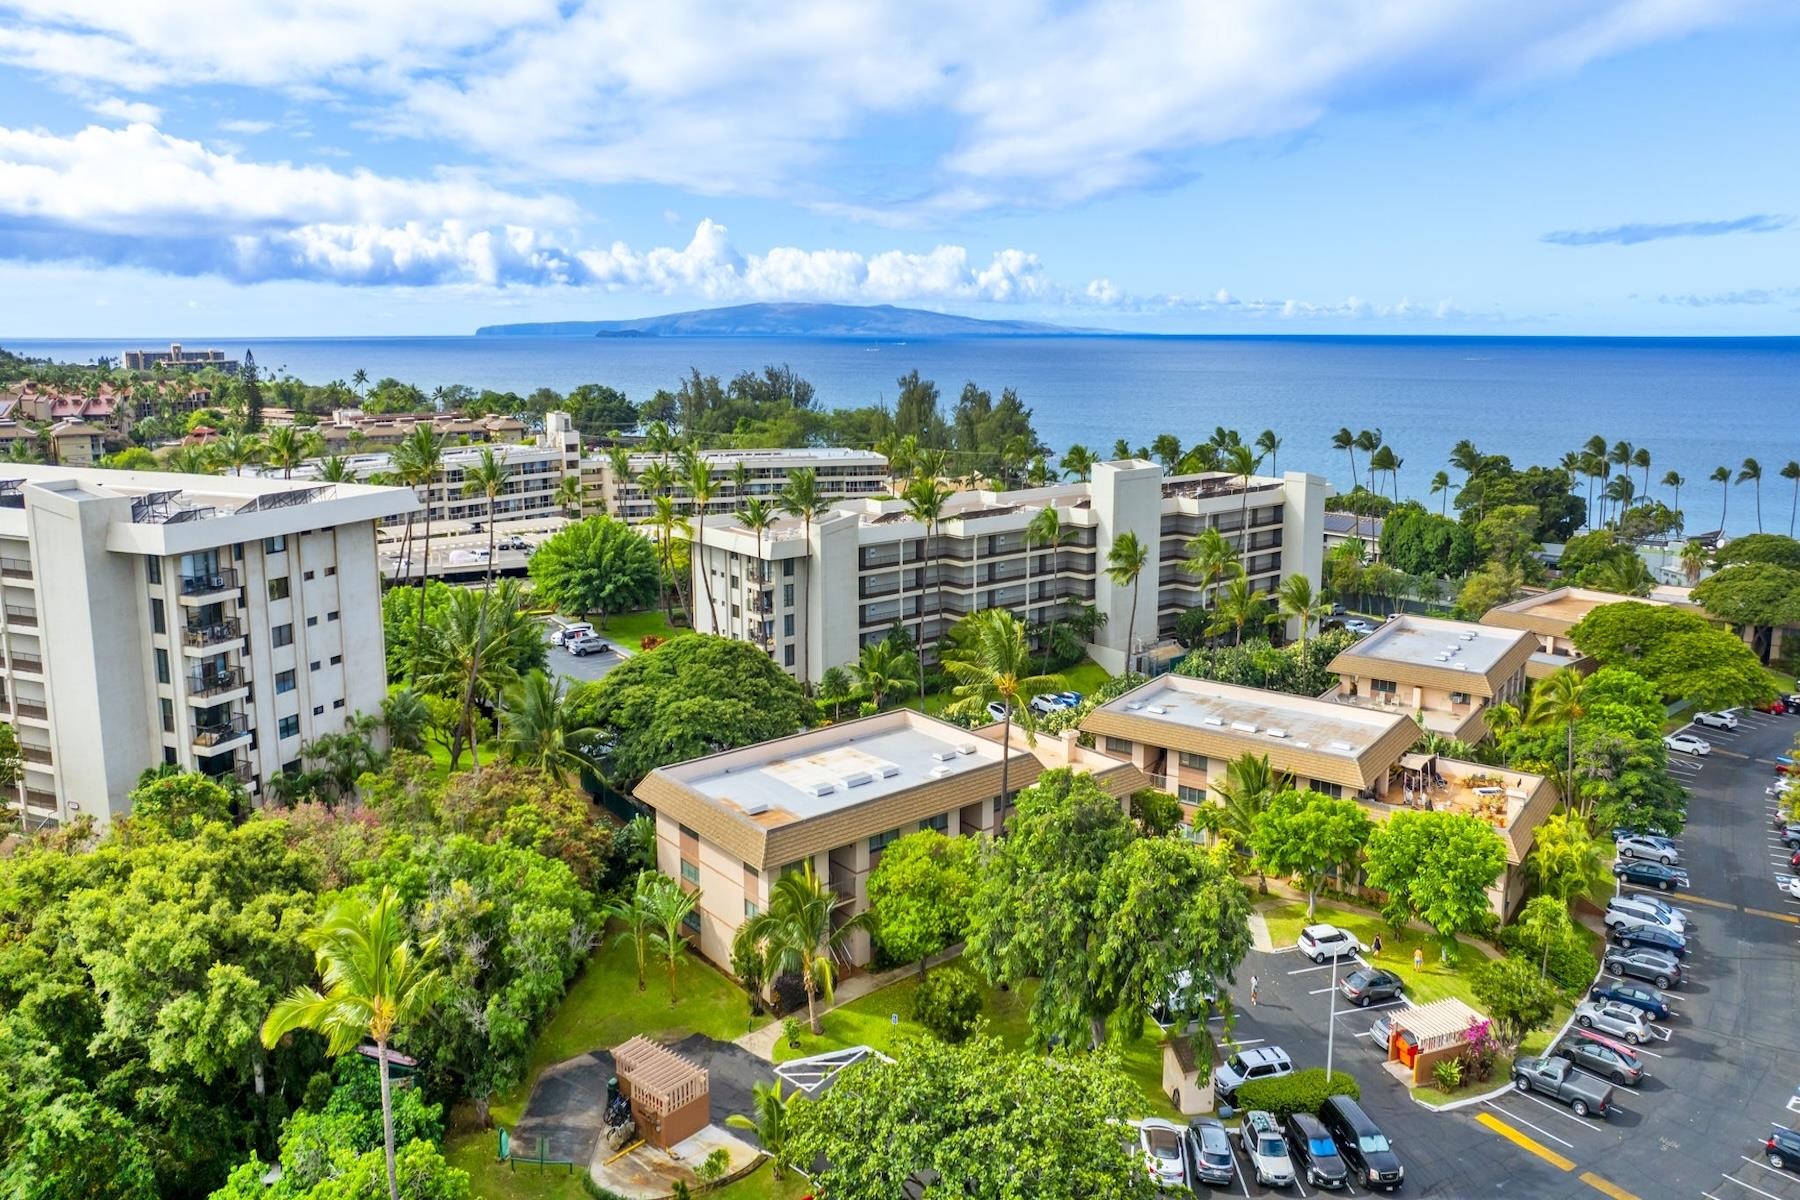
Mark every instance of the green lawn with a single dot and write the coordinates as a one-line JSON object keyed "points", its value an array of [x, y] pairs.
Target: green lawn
{"points": [[870, 1021], [1435, 982], [631, 629]]}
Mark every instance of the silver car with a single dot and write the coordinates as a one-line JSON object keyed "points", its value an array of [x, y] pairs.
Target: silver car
{"points": [[1614, 1019], [1654, 849]]}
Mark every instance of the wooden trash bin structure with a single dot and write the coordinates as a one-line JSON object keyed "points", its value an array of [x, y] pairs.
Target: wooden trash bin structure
{"points": [[669, 1096], [1428, 1034]]}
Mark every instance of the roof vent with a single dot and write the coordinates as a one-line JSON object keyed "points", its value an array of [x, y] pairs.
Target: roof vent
{"points": [[1214, 721], [856, 779], [1244, 726], [944, 755], [1443, 658], [1344, 746], [1276, 733], [939, 772], [1469, 637], [755, 809], [1460, 666], [818, 789], [1304, 745], [1157, 709], [887, 770], [1133, 705], [966, 748]]}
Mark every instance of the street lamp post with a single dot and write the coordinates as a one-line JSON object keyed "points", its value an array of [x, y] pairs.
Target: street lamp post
{"points": [[1331, 1025]]}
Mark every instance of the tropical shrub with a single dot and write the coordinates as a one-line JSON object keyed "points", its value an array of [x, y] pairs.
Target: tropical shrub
{"points": [[948, 1003]]}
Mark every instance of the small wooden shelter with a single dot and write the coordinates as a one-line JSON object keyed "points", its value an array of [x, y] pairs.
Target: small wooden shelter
{"points": [[669, 1096], [1424, 1036]]}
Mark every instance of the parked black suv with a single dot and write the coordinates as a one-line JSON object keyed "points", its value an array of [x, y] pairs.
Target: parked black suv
{"points": [[1782, 1149], [1315, 1155], [1364, 1147]]}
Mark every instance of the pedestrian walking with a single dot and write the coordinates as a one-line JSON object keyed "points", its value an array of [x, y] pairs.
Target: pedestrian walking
{"points": [[1418, 958], [1253, 991], [1377, 945]]}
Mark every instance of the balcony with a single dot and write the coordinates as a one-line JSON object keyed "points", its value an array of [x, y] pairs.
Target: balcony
{"points": [[35, 712], [216, 735], [18, 614], [199, 635], [15, 568], [215, 682], [208, 585], [40, 800], [25, 664], [35, 754]]}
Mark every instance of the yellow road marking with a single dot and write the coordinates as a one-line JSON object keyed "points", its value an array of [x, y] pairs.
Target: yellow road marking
{"points": [[1711, 903], [1544, 1152], [1790, 918], [1606, 1185]]}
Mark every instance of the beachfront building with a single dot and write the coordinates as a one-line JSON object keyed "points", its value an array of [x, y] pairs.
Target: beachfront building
{"points": [[814, 597], [217, 623], [1549, 616], [1183, 733], [1342, 527], [1444, 673], [183, 359], [842, 473], [730, 824], [351, 429]]}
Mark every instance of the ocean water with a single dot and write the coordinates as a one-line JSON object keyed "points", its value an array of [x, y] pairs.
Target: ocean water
{"points": [[1695, 403]]}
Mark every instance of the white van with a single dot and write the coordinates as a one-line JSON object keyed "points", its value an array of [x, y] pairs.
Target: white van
{"points": [[564, 634], [1630, 911], [468, 558]]}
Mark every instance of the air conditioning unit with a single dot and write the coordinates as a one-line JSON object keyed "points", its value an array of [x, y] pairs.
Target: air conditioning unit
{"points": [[944, 755], [1243, 726], [1216, 722], [887, 770], [856, 779], [939, 772], [818, 789], [1156, 709], [966, 748]]}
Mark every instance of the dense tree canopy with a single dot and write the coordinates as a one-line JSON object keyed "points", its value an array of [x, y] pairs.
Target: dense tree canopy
{"points": [[596, 566], [1764, 594], [1309, 834], [1295, 668], [1775, 548], [1679, 652], [693, 696], [1436, 866], [1424, 543], [920, 893]]}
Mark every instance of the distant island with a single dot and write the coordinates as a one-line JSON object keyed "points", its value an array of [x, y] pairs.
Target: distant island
{"points": [[790, 320]]}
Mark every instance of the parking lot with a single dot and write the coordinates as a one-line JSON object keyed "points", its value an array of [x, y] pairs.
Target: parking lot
{"points": [[588, 667], [1721, 1070]]}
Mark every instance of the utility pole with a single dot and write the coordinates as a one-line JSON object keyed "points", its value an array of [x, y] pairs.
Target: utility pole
{"points": [[1331, 1025]]}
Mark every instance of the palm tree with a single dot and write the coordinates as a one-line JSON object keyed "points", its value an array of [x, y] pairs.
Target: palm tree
{"points": [[568, 495], [1674, 480], [1621, 456], [1369, 441], [288, 447], [1382, 460], [359, 379], [1641, 458], [757, 515], [1752, 472], [772, 1125], [238, 450], [1268, 446], [1242, 462], [636, 913], [1465, 458], [1125, 563], [1045, 529], [1210, 555], [1694, 559], [1239, 605], [536, 728], [669, 523], [1624, 575], [472, 648], [1441, 483], [1561, 700], [337, 469], [418, 460], [879, 669], [1792, 471], [1620, 491], [1167, 449], [670, 907], [699, 479], [798, 933], [1722, 477], [834, 689], [1503, 719], [376, 985], [487, 478], [800, 497], [1344, 440], [1250, 783], [925, 497], [992, 665], [1298, 600], [191, 460]]}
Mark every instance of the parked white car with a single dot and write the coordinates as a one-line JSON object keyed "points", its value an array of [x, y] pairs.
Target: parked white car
{"points": [[1322, 942], [1358, 625], [1266, 1149], [1718, 720], [1688, 743], [573, 629], [1614, 1019], [1161, 1141]]}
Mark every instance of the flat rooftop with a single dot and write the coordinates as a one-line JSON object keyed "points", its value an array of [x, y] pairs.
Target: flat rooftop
{"points": [[1254, 715], [827, 770], [1555, 612], [1428, 641]]}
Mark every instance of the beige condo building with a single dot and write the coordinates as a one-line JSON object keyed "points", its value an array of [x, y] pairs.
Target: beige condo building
{"points": [[1445, 673]]}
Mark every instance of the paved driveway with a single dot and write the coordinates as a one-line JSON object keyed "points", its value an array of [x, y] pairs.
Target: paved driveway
{"points": [[588, 667]]}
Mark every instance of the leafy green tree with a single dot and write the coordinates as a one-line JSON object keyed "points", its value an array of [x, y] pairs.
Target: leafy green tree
{"points": [[376, 985], [1436, 866], [1423, 543], [1759, 595], [1780, 549], [1560, 701], [597, 409], [180, 803], [597, 565], [799, 933], [1311, 835], [695, 696], [1513, 996], [1677, 651], [1507, 535], [670, 907], [1486, 588], [834, 689], [405, 718], [920, 893], [948, 1004], [1250, 786], [976, 1121], [1566, 859]]}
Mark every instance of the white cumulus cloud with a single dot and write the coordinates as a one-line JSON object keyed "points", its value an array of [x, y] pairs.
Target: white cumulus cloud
{"points": [[126, 110]]}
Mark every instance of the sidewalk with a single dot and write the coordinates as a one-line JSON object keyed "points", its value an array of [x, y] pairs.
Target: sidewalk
{"points": [[761, 1042]]}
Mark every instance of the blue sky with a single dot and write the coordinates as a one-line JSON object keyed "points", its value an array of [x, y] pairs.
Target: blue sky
{"points": [[332, 167]]}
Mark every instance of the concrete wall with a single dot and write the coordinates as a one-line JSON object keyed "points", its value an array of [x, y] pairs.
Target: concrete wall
{"points": [[1127, 498]]}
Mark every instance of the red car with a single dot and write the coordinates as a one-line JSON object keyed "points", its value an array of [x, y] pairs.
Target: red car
{"points": [[1774, 708]]}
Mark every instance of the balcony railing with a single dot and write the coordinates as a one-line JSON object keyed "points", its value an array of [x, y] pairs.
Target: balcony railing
{"points": [[37, 799], [15, 568], [27, 709], [18, 614], [225, 579], [31, 664], [36, 754], [212, 632], [211, 683], [214, 733]]}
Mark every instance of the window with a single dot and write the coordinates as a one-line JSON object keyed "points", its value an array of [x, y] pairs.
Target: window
{"points": [[284, 682], [281, 635], [330, 571], [686, 832], [276, 544], [157, 622], [691, 922], [153, 568], [337, 660], [311, 621], [752, 872], [1190, 795], [941, 823], [168, 714], [162, 666], [313, 665], [304, 575], [169, 755], [1196, 761], [881, 841], [318, 710], [1116, 745], [787, 568], [690, 871], [332, 615], [1335, 791], [787, 655], [787, 595], [1459, 697], [787, 625], [337, 704], [750, 909], [288, 727], [279, 588], [291, 767], [1385, 687]]}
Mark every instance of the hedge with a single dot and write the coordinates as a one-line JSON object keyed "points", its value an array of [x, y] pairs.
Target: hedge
{"points": [[1572, 963], [1303, 1091]]}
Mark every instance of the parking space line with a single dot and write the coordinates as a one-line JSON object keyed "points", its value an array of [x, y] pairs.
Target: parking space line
{"points": [[1553, 1108], [1351, 1012], [1710, 903], [1527, 1124], [1605, 1186], [1751, 1186], [1790, 918], [1765, 1166], [1524, 1143]]}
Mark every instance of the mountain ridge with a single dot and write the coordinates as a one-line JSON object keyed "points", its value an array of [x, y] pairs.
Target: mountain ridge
{"points": [[790, 319]]}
